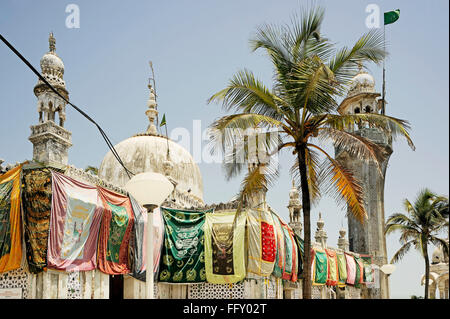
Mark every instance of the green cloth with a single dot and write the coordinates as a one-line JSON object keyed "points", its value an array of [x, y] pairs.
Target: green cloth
{"points": [[320, 268], [358, 271], [301, 253], [5, 226], [183, 254], [368, 271], [342, 269], [391, 16]]}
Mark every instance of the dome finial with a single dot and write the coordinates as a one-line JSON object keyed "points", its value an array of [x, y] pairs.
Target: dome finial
{"points": [[51, 42]]}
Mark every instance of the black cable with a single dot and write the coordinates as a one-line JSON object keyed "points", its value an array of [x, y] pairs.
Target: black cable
{"points": [[105, 137]]}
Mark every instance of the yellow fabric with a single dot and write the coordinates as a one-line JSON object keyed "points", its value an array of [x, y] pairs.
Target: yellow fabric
{"points": [[213, 219], [255, 262], [13, 260]]}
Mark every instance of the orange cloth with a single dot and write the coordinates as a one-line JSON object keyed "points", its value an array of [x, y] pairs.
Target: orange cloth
{"points": [[13, 254]]}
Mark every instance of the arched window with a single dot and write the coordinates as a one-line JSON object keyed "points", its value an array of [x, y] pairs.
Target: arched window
{"points": [[368, 109], [357, 110]]}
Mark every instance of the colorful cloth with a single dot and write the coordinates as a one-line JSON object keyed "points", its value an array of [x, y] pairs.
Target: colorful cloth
{"points": [[37, 203], [138, 241], [319, 267], [351, 269], [183, 255], [261, 242], [359, 279], [74, 225], [280, 261], [10, 220], [290, 271], [368, 277], [225, 247], [333, 268], [342, 269], [115, 232], [301, 253]]}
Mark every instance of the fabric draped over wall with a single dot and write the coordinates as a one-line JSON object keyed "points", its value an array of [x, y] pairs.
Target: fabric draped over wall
{"points": [[261, 242], [301, 252], [10, 220], [351, 269], [37, 203], [342, 269], [290, 270], [115, 232], [225, 247], [138, 241], [333, 268], [368, 277], [75, 220], [183, 255], [280, 261], [319, 267], [359, 277]]}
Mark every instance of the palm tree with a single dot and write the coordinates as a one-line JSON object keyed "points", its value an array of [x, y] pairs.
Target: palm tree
{"points": [[301, 109], [420, 227]]}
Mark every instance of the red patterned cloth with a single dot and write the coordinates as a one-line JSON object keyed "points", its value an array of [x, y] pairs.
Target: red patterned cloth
{"points": [[268, 242]]}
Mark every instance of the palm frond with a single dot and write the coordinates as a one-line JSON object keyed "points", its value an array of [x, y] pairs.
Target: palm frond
{"points": [[343, 186], [402, 252]]}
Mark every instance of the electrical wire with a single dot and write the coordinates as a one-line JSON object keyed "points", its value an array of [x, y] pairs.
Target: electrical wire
{"points": [[105, 137]]}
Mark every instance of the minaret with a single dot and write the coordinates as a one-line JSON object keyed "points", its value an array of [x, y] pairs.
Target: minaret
{"points": [[295, 208], [321, 235], [51, 141], [367, 238]]}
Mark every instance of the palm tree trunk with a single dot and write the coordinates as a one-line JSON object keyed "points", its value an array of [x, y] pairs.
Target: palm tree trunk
{"points": [[427, 270], [306, 222]]}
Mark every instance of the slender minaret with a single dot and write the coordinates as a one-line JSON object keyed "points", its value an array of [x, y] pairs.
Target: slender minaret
{"points": [[367, 238], [295, 208], [51, 142]]}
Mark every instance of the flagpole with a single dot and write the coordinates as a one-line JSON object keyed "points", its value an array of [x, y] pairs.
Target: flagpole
{"points": [[383, 108]]}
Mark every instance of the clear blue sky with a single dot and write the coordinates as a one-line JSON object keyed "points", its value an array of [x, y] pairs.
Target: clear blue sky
{"points": [[196, 46]]}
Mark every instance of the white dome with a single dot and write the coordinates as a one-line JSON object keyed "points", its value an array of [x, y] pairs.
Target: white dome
{"points": [[51, 62], [438, 255], [362, 83], [148, 153]]}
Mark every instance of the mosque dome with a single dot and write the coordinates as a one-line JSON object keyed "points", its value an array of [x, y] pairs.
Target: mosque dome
{"points": [[363, 82], [148, 152], [438, 255], [51, 63]]}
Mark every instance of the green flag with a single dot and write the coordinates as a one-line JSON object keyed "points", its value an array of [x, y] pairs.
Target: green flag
{"points": [[391, 16], [163, 121]]}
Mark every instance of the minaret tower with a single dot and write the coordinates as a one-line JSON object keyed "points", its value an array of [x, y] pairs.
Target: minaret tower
{"points": [[295, 208], [367, 238], [51, 141]]}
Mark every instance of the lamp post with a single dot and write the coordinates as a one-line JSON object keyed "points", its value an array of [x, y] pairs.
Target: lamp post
{"points": [[388, 269], [150, 190]]}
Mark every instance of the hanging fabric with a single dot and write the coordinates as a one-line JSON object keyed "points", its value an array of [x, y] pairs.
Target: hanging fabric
{"points": [[359, 279], [183, 255], [301, 253], [351, 269], [342, 269], [280, 261], [291, 259], [319, 267], [115, 232], [261, 242], [225, 247], [333, 268], [368, 277], [37, 203], [138, 241], [10, 220], [74, 225]]}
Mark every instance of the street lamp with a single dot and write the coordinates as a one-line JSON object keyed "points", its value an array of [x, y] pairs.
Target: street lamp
{"points": [[150, 190], [388, 269]]}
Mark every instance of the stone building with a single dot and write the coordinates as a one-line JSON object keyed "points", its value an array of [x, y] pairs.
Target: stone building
{"points": [[439, 269], [150, 151], [368, 238]]}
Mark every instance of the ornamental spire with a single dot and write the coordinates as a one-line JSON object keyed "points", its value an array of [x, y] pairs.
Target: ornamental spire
{"points": [[51, 42]]}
